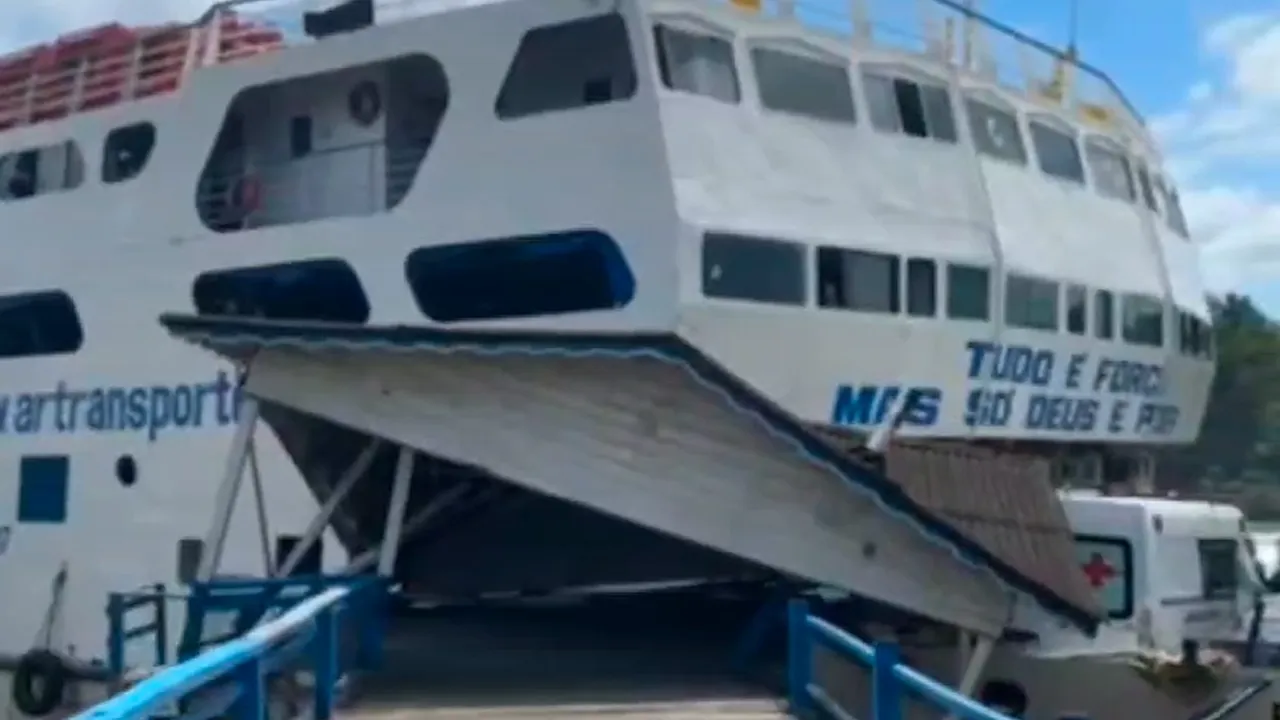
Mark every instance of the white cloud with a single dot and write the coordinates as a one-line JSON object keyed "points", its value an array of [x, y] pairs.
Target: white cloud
{"points": [[1224, 146]]}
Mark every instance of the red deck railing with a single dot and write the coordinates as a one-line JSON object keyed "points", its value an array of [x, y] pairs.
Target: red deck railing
{"points": [[110, 64]]}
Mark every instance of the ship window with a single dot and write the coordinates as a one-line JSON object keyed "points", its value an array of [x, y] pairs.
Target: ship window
{"points": [[858, 280], [1109, 168], [1143, 320], [323, 290], [1057, 152], [922, 287], [126, 151], [803, 86], [38, 324], [569, 65], [1030, 303], [256, 175], [301, 136], [39, 171], [968, 292], [735, 267], [1194, 335], [1144, 184], [1173, 209], [1077, 309], [697, 63], [1104, 314], [995, 132], [904, 106], [529, 276]]}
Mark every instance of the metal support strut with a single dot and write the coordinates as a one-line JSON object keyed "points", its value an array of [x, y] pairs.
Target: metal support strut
{"points": [[224, 504]]}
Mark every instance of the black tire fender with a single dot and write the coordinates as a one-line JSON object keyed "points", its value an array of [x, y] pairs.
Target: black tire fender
{"points": [[39, 682]]}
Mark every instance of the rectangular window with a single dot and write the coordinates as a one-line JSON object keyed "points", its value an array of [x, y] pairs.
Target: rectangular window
{"points": [[906, 107], [1057, 152], [300, 136], [858, 280], [1148, 193], [1104, 315], [1107, 564], [1109, 168], [42, 488], [995, 131], [1077, 309], [922, 287], [801, 85], [1173, 211], [1219, 568], [569, 65], [1143, 320], [1030, 303], [736, 267], [697, 63], [968, 292]]}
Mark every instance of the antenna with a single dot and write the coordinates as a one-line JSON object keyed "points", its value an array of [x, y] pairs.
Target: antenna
{"points": [[1073, 28]]}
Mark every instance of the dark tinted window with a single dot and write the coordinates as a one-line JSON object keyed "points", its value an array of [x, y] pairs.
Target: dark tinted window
{"points": [[1148, 192], [922, 287], [1104, 314], [735, 267], [968, 292], [1143, 320], [1030, 303], [39, 323], [858, 280], [39, 171], [803, 86], [1057, 152], [553, 274], [126, 152], [697, 63], [569, 65], [324, 290], [1077, 309]]}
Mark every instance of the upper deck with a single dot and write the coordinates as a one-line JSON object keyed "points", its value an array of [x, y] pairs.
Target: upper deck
{"points": [[102, 66]]}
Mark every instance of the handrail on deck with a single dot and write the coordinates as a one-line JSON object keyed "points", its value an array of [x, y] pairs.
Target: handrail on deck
{"points": [[236, 671], [889, 678]]}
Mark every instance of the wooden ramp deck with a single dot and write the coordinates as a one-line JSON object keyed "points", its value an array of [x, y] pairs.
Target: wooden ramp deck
{"points": [[616, 662]]}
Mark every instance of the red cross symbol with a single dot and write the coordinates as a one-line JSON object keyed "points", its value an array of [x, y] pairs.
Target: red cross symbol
{"points": [[1098, 570]]}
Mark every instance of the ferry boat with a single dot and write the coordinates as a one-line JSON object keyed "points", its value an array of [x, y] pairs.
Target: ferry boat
{"points": [[513, 298]]}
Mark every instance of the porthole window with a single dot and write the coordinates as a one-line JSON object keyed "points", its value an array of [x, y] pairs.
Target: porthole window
{"points": [[126, 470]]}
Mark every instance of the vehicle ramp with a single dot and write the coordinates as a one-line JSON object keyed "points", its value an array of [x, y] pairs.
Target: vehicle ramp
{"points": [[648, 430]]}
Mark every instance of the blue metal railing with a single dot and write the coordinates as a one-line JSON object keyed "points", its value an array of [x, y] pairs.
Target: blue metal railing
{"points": [[120, 606], [890, 680], [232, 678]]}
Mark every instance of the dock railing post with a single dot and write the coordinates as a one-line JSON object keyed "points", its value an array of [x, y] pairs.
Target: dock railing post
{"points": [[886, 699], [799, 659]]}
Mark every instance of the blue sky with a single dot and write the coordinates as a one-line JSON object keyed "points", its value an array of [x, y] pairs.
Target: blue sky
{"points": [[1206, 73], [1207, 76]]}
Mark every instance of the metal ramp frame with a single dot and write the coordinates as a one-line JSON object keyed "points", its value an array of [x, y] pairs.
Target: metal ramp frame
{"points": [[236, 679]]}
